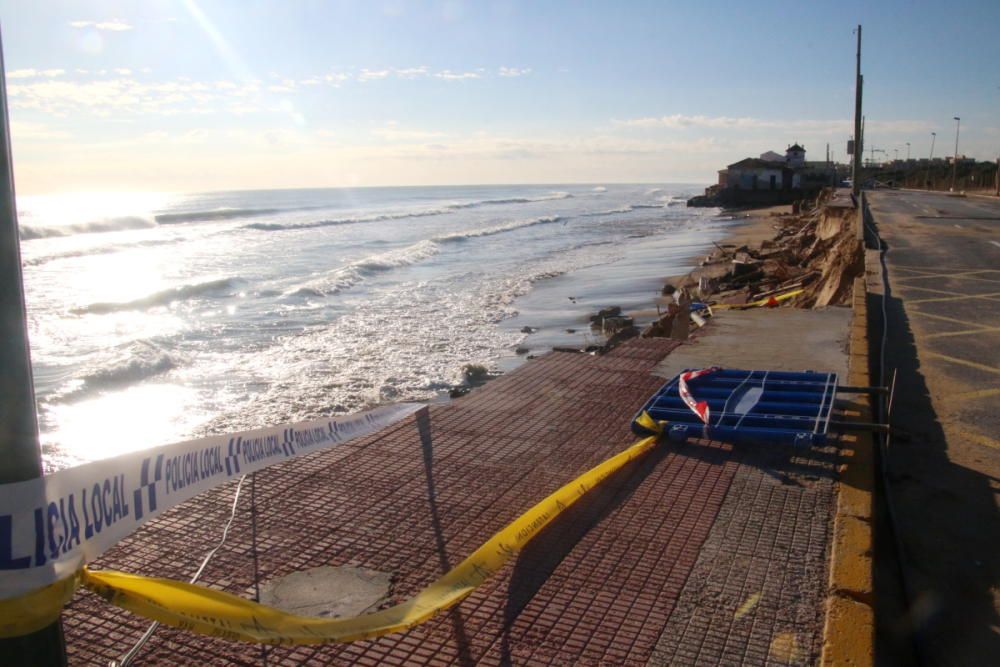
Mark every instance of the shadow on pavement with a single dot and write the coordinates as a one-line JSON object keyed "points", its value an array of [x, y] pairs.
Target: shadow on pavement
{"points": [[543, 554], [944, 516], [427, 450]]}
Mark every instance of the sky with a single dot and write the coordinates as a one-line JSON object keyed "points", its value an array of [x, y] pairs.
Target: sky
{"points": [[196, 95]]}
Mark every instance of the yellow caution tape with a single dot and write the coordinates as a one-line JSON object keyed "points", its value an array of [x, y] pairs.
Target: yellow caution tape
{"points": [[217, 614], [762, 302], [35, 610]]}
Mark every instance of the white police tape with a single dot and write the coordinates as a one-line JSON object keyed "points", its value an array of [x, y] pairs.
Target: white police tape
{"points": [[51, 526]]}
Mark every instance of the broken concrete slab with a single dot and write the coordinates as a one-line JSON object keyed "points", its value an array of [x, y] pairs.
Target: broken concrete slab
{"points": [[327, 591]]}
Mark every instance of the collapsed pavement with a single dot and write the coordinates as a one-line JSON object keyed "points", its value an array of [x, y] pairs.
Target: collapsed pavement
{"points": [[811, 262]]}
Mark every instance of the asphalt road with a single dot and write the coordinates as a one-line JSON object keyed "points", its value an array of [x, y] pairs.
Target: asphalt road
{"points": [[943, 341]]}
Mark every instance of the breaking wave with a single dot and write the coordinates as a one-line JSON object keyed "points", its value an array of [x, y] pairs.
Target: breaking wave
{"points": [[381, 217], [220, 288], [512, 200], [283, 226], [101, 250], [611, 211], [225, 214], [139, 362], [130, 371], [353, 273], [129, 222], [499, 229]]}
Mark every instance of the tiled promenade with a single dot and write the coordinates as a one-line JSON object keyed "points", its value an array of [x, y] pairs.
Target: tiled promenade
{"points": [[694, 555]]}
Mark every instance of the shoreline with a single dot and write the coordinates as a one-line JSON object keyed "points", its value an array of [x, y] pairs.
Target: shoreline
{"points": [[745, 227], [558, 310]]}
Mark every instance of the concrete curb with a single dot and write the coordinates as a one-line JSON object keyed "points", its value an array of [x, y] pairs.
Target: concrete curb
{"points": [[849, 632]]}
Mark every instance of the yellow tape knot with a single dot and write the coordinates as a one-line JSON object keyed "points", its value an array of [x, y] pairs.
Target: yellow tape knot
{"points": [[650, 424]]}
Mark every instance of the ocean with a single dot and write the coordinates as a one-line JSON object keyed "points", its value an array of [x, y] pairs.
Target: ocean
{"points": [[158, 317]]}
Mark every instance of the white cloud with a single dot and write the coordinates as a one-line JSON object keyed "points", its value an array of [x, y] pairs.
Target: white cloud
{"points": [[448, 75], [514, 71], [31, 73], [411, 72], [336, 78], [112, 25], [800, 125], [124, 71], [105, 97], [682, 121], [369, 75]]}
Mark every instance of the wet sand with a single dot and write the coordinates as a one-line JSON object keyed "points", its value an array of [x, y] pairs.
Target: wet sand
{"points": [[558, 310]]}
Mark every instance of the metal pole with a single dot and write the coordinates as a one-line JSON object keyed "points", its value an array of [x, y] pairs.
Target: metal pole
{"points": [[907, 151], [858, 143], [20, 454], [997, 179], [954, 165]]}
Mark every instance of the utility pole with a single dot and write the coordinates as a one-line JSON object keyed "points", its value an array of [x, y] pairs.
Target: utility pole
{"points": [[858, 139], [997, 179], [20, 454], [954, 165]]}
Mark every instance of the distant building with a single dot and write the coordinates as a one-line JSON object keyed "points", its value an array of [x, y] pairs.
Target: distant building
{"points": [[756, 174], [772, 178], [795, 156]]}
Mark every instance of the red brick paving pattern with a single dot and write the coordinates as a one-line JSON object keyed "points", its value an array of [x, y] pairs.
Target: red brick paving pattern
{"points": [[597, 587]]}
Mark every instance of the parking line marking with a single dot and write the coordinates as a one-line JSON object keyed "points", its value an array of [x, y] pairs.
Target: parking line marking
{"points": [[939, 269], [966, 332], [930, 289], [962, 362], [989, 297], [972, 395], [956, 276], [945, 318], [983, 440]]}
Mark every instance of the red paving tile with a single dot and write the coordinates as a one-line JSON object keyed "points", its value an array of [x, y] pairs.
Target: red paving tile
{"points": [[597, 587]]}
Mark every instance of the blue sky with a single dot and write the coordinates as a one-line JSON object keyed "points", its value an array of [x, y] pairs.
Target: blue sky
{"points": [[198, 94]]}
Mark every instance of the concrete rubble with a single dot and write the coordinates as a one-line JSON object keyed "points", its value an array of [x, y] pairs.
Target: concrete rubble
{"points": [[811, 262]]}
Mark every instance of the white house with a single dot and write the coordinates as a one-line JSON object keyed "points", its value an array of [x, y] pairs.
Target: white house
{"points": [[755, 174]]}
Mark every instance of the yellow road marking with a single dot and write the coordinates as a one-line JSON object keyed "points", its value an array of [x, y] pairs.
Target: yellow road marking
{"points": [[989, 297], [967, 275], [931, 290], [966, 332], [944, 318], [939, 269], [973, 395], [983, 440], [963, 362]]}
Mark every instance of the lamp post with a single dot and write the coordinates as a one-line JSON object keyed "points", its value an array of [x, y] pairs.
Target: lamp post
{"points": [[907, 151], [954, 164]]}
